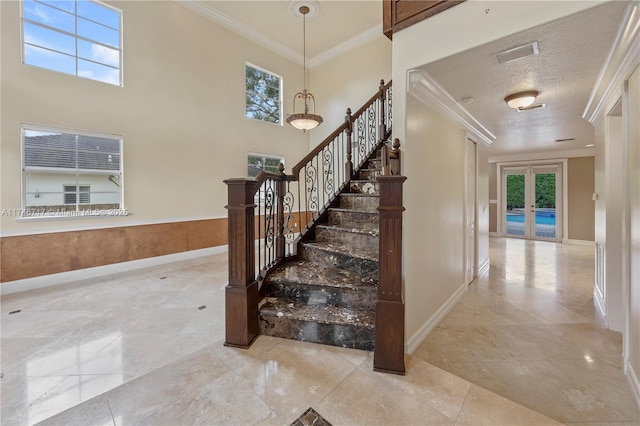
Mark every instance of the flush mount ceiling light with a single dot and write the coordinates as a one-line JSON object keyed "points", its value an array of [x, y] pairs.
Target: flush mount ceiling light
{"points": [[304, 120], [522, 99]]}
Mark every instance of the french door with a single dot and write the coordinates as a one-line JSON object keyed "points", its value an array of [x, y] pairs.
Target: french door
{"points": [[532, 202]]}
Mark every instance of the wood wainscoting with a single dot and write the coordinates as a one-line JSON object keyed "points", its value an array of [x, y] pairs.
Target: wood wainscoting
{"points": [[29, 256]]}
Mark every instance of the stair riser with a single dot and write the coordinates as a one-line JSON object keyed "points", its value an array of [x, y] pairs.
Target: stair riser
{"points": [[347, 336], [364, 203], [367, 174], [313, 294], [340, 260], [352, 239], [364, 188], [356, 220]]}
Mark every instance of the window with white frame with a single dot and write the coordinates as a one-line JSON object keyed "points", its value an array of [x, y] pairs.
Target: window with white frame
{"points": [[264, 94], [70, 171], [258, 162], [78, 37], [266, 162]]}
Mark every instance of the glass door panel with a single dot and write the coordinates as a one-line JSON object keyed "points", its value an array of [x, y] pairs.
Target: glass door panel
{"points": [[515, 217], [545, 205]]}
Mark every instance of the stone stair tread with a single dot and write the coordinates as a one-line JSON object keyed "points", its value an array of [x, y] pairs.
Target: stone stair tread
{"points": [[342, 209], [344, 249], [311, 273], [372, 232], [326, 314], [358, 194]]}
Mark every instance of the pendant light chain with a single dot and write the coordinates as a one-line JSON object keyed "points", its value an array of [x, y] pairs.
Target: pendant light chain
{"points": [[304, 51]]}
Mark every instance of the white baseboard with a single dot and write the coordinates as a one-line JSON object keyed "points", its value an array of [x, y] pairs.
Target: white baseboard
{"points": [[578, 242], [635, 383], [494, 234], [414, 341], [83, 274], [484, 268]]}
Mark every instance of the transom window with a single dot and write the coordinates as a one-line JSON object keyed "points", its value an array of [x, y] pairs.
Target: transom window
{"points": [[70, 171], [264, 95], [78, 37]]}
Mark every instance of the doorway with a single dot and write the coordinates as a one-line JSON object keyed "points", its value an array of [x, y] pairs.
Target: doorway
{"points": [[532, 202]]}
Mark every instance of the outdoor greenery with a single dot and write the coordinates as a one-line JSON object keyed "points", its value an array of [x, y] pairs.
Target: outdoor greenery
{"points": [[262, 162], [263, 95], [545, 191]]}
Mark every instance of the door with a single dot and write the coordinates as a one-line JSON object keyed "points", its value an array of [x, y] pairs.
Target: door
{"points": [[532, 202], [470, 212]]}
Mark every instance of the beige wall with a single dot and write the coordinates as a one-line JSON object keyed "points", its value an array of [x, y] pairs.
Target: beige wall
{"points": [[181, 113], [581, 187], [633, 338], [434, 218], [348, 81]]}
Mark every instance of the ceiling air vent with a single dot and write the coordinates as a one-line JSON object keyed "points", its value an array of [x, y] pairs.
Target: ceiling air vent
{"points": [[566, 140], [530, 107], [516, 53]]}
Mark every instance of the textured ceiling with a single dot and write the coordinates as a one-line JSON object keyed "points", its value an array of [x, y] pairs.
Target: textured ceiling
{"points": [[337, 21], [572, 52]]}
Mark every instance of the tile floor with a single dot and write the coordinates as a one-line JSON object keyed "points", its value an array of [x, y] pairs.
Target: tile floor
{"points": [[135, 348], [529, 331]]}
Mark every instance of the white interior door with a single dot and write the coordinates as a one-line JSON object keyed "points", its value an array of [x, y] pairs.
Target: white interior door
{"points": [[470, 212]]}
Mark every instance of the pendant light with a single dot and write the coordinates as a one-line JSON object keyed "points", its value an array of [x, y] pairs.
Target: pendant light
{"points": [[304, 120]]}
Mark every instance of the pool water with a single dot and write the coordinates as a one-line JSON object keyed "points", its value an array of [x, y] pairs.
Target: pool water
{"points": [[541, 219]]}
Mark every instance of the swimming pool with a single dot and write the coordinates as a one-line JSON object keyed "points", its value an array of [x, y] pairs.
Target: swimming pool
{"points": [[542, 218]]}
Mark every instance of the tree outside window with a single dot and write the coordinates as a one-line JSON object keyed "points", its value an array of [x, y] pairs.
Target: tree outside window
{"points": [[263, 96]]}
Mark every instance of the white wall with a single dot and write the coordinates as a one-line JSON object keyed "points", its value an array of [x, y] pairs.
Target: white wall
{"points": [[462, 27], [633, 337], [181, 113], [348, 81], [482, 222], [433, 243], [614, 158], [49, 188]]}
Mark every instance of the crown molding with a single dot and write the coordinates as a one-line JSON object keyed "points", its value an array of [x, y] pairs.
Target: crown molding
{"points": [[203, 9], [621, 61], [544, 155], [238, 27], [347, 46], [426, 89]]}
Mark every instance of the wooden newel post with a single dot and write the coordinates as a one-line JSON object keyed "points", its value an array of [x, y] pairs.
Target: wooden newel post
{"points": [[241, 294], [388, 355], [381, 98], [348, 166]]}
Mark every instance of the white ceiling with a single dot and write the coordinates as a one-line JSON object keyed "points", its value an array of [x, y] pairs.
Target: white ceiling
{"points": [[270, 21], [572, 52]]}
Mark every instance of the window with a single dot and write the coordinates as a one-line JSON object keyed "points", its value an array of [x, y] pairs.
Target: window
{"points": [[264, 95], [72, 193], [79, 37], [69, 171], [266, 162]]}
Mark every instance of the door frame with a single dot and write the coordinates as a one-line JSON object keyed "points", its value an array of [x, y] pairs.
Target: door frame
{"points": [[502, 226]]}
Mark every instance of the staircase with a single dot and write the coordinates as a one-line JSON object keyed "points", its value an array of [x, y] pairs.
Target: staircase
{"points": [[328, 295], [316, 254]]}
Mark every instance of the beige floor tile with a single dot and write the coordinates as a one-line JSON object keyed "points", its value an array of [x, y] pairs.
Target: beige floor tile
{"points": [[486, 408], [95, 412], [290, 378], [366, 398]]}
